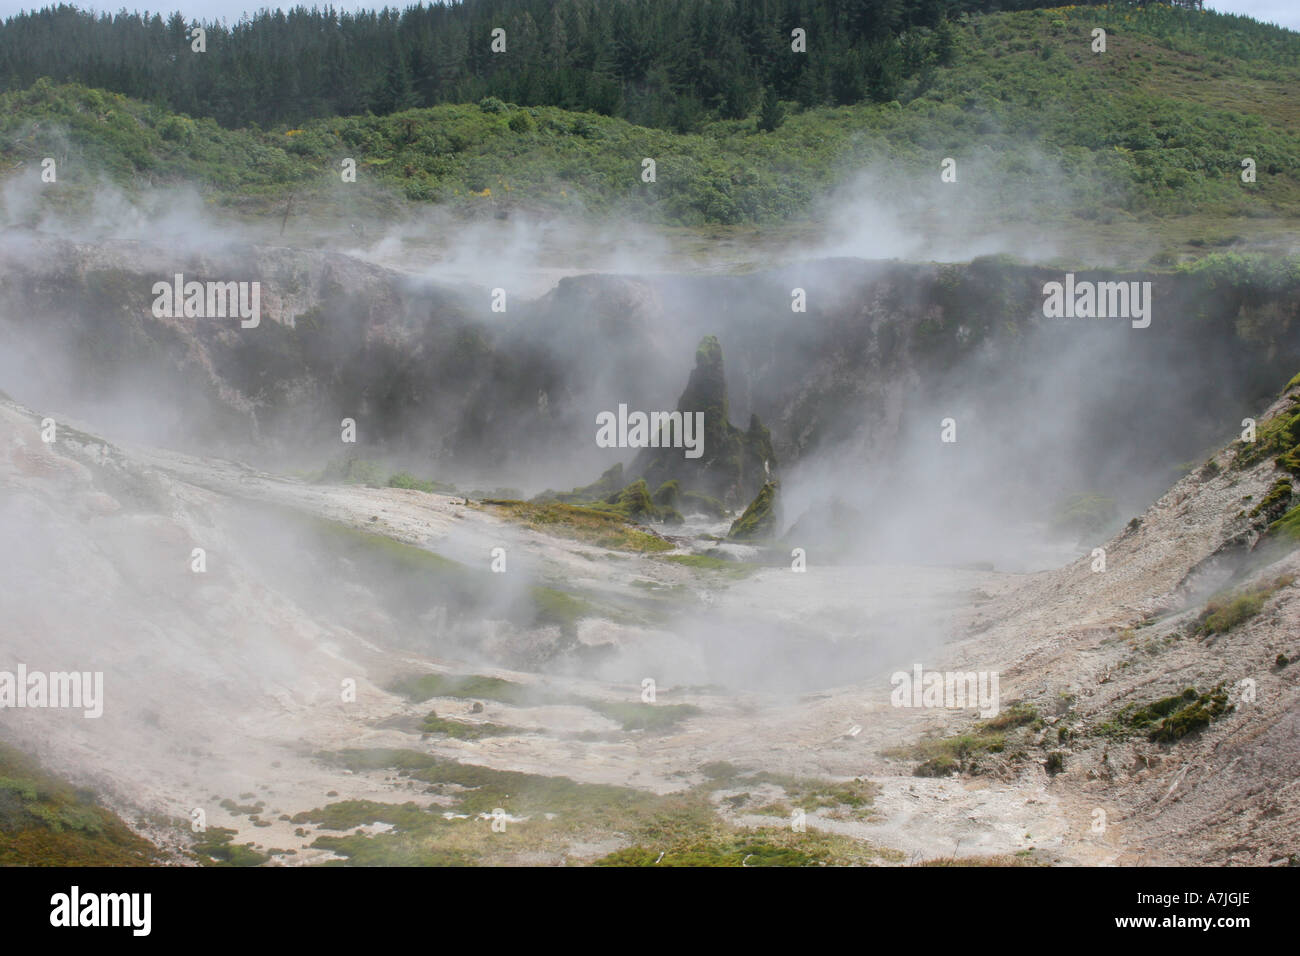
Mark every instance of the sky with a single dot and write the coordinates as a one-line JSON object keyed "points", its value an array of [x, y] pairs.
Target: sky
{"points": [[1284, 12]]}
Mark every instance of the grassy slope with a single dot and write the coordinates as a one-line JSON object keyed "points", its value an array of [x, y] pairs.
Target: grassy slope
{"points": [[1043, 130], [44, 821]]}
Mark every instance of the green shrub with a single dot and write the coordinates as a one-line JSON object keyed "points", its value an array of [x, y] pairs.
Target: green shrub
{"points": [[1197, 714], [405, 480], [1223, 614]]}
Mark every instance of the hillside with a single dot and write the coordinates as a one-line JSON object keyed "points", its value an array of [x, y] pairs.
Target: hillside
{"points": [[45, 821], [1146, 138]]}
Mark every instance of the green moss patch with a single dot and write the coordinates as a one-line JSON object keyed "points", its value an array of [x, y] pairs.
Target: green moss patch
{"points": [[1279, 438], [772, 847], [1287, 526], [1275, 502], [1170, 718], [426, 686], [707, 562], [856, 795], [997, 860], [385, 849], [348, 814], [552, 813], [45, 821], [406, 480], [1017, 715], [1196, 714], [1221, 615], [942, 756], [632, 715], [555, 607], [214, 848], [602, 528], [239, 810], [462, 730], [641, 716]]}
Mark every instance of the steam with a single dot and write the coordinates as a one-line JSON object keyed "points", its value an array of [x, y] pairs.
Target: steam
{"points": [[900, 527]]}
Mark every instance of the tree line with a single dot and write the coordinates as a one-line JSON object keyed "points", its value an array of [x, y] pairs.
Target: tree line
{"points": [[671, 64]]}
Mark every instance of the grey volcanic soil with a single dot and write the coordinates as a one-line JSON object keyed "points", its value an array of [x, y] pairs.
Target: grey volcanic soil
{"points": [[223, 683]]}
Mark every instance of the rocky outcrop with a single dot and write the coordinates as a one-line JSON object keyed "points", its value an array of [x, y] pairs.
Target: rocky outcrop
{"points": [[760, 520], [442, 386], [734, 463]]}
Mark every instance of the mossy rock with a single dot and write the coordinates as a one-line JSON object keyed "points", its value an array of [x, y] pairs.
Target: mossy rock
{"points": [[759, 522], [1275, 503], [734, 463], [1287, 526], [1278, 437], [634, 501], [668, 494]]}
